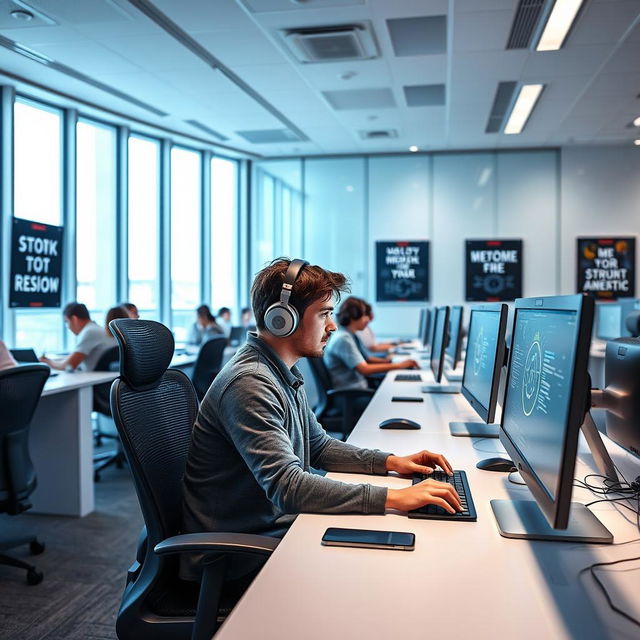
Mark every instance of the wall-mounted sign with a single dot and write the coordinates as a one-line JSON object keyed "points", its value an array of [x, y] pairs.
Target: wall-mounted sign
{"points": [[606, 267], [36, 264], [402, 271], [494, 270]]}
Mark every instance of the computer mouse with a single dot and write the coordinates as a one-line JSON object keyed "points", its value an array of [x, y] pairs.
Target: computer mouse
{"points": [[496, 464], [399, 423]]}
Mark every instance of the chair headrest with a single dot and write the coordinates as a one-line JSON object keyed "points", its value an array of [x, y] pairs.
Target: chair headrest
{"points": [[146, 349], [633, 323]]}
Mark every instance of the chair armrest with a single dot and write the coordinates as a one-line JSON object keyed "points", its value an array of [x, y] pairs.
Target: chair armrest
{"points": [[350, 393], [218, 542]]}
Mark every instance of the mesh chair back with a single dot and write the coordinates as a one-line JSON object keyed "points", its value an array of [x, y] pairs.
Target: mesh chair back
{"points": [[321, 372], [316, 394], [154, 411], [208, 364], [20, 390]]}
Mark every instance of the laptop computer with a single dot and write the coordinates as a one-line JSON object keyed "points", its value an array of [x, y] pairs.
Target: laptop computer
{"points": [[27, 356]]}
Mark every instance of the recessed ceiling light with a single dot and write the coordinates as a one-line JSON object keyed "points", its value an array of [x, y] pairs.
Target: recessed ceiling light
{"points": [[637, 143], [525, 102], [413, 148], [636, 122], [22, 15], [558, 24]]}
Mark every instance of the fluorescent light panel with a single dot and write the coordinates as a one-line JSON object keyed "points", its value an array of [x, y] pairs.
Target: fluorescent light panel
{"points": [[525, 102], [558, 24]]}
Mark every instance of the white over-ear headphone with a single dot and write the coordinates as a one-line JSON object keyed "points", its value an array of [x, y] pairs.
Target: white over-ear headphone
{"points": [[281, 319]]}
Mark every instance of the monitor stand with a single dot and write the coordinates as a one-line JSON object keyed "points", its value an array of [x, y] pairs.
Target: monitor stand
{"points": [[452, 376], [474, 429], [440, 388], [523, 518]]}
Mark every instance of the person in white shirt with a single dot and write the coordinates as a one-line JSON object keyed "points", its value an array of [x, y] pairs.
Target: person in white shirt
{"points": [[92, 340], [7, 361], [224, 320]]}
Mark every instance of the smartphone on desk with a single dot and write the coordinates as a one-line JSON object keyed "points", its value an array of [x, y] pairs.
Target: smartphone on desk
{"points": [[369, 539]]}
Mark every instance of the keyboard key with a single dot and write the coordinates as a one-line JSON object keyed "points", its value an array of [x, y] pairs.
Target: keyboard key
{"points": [[435, 512]]}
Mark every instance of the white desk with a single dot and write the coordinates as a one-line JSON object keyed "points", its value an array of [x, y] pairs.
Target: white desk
{"points": [[61, 444], [462, 581]]}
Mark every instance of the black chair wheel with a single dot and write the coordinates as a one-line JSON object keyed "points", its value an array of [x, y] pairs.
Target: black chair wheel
{"points": [[36, 548], [34, 577]]}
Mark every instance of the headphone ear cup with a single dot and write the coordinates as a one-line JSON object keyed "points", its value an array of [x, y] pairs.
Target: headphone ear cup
{"points": [[281, 320]]}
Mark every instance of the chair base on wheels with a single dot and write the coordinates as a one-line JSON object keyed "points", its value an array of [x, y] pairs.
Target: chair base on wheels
{"points": [[35, 547]]}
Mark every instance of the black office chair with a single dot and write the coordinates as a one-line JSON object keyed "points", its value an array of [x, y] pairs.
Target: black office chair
{"points": [[337, 410], [154, 410], [20, 389], [208, 364], [108, 361]]}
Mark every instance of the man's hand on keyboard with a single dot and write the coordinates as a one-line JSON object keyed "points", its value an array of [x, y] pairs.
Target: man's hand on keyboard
{"points": [[426, 492], [422, 462]]}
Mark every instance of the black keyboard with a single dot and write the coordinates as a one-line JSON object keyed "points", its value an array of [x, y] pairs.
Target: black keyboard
{"points": [[408, 377], [435, 512]]}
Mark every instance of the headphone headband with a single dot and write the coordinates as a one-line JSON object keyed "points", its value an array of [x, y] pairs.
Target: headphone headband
{"points": [[295, 267], [281, 319]]}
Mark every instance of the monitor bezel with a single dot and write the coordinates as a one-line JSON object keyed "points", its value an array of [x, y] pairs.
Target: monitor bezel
{"points": [[423, 315], [488, 413], [427, 330], [457, 347], [438, 374], [557, 511]]}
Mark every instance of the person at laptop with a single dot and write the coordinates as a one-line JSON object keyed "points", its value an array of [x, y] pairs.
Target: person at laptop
{"points": [[205, 327], [7, 361], [347, 365], [255, 438], [92, 340]]}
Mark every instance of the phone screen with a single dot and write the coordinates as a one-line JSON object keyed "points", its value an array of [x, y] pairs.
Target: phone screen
{"points": [[364, 536]]}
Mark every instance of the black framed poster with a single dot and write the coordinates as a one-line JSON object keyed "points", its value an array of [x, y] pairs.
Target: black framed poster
{"points": [[402, 271], [493, 270], [36, 264], [606, 267]]}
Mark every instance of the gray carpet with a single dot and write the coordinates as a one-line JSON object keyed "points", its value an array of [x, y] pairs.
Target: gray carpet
{"points": [[84, 565]]}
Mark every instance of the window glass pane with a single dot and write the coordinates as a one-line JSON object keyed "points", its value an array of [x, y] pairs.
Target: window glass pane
{"points": [[224, 243], [96, 216], [37, 196], [37, 163], [144, 185], [185, 239]]}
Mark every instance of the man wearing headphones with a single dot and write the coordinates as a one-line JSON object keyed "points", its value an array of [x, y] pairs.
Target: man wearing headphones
{"points": [[255, 438], [347, 365]]}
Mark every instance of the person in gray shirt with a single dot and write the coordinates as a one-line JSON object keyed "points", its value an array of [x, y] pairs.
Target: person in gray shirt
{"points": [[256, 439], [345, 361], [92, 342]]}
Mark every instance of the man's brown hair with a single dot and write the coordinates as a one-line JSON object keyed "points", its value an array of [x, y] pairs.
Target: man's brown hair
{"points": [[76, 309], [313, 283], [351, 309]]}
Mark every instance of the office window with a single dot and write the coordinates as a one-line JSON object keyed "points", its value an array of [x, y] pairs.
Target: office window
{"points": [[144, 188], [96, 228], [37, 153], [186, 205], [224, 233], [264, 228]]}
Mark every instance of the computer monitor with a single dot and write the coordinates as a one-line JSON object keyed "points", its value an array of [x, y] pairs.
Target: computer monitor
{"points": [[428, 327], [423, 312], [608, 320], [237, 336], [622, 391], [24, 356], [454, 348], [439, 341], [545, 405], [483, 365]]}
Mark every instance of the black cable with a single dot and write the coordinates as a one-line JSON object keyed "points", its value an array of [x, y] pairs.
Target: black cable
{"points": [[591, 570]]}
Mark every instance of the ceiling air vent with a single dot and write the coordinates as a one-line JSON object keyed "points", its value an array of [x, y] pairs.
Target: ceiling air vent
{"points": [[332, 44], [501, 103], [525, 23], [379, 134]]}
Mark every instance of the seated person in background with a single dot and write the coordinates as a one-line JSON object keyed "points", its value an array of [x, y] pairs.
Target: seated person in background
{"points": [[347, 366], [255, 438], [7, 361], [246, 318], [115, 312], [132, 310], [205, 327], [92, 340], [367, 336], [224, 320]]}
